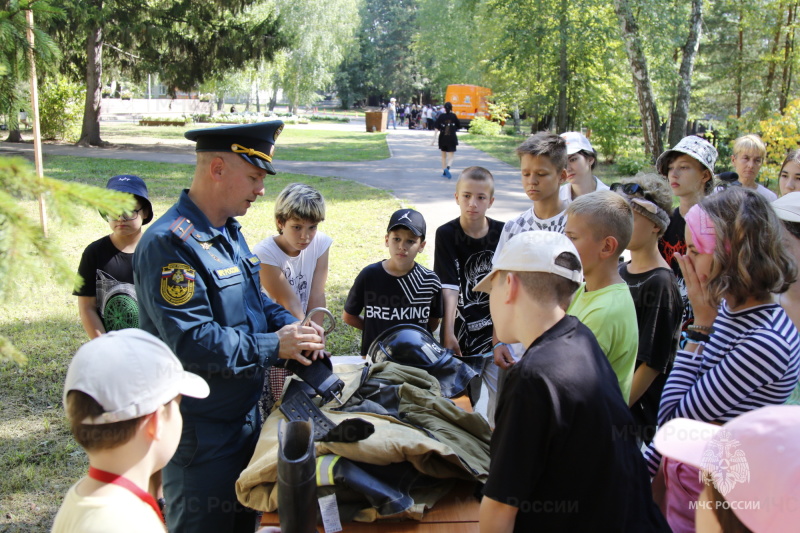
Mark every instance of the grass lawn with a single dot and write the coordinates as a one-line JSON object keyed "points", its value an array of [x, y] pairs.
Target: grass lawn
{"points": [[299, 142], [37, 454], [502, 147]]}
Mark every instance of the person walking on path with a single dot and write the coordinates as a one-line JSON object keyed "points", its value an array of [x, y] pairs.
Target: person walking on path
{"points": [[199, 292], [392, 114], [447, 124]]}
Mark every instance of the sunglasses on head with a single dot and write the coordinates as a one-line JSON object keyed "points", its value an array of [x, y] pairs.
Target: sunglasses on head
{"points": [[631, 189]]}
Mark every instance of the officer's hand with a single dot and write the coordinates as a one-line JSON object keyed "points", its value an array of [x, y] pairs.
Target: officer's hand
{"points": [[503, 357], [295, 339], [317, 354]]}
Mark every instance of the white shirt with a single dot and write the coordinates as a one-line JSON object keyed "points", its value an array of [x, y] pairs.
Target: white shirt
{"points": [[565, 191], [299, 271]]}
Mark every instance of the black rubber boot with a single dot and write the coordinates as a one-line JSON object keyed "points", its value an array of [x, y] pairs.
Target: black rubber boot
{"points": [[297, 482]]}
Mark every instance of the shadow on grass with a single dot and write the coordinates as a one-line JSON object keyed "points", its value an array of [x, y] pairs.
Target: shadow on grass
{"points": [[38, 457]]}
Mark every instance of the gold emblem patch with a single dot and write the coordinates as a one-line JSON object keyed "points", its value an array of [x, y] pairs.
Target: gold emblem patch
{"points": [[177, 283], [278, 131]]}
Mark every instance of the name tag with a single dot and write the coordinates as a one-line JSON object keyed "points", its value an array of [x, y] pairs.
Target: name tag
{"points": [[229, 272]]}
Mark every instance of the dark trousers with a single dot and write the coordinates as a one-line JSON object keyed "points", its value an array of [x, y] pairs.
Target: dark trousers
{"points": [[201, 496]]}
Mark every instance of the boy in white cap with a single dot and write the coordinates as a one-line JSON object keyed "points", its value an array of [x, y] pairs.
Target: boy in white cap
{"points": [[562, 395], [581, 160], [750, 465], [121, 396]]}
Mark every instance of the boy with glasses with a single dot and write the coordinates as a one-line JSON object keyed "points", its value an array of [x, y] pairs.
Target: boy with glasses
{"points": [[106, 299]]}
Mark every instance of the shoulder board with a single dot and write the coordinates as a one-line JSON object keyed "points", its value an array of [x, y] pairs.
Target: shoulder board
{"points": [[182, 227]]}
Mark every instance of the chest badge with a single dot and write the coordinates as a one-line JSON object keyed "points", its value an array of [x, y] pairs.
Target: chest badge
{"points": [[177, 283], [206, 245]]}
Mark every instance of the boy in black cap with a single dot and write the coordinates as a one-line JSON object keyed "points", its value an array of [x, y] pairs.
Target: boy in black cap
{"points": [[397, 290], [199, 292], [107, 300]]}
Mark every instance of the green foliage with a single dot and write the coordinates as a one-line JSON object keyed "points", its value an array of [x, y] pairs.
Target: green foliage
{"points": [[25, 252], [783, 134], [322, 34], [482, 126], [498, 112], [15, 57], [61, 109], [633, 163], [383, 63]]}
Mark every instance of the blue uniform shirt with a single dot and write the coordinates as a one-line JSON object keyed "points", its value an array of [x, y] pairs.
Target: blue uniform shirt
{"points": [[198, 290]]}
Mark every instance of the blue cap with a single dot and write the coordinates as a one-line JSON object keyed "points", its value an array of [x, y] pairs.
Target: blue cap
{"points": [[254, 142], [135, 186]]}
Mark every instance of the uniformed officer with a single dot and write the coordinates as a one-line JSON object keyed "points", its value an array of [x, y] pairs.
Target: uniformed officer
{"points": [[199, 291]]}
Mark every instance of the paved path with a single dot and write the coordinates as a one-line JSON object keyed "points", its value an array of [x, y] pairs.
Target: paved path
{"points": [[412, 173]]}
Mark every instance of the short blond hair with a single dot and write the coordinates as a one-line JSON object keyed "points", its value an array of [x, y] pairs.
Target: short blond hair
{"points": [[750, 143], [300, 201], [608, 214]]}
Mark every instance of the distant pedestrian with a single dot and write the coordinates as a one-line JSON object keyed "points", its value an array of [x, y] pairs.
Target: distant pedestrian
{"points": [[447, 124], [392, 107]]}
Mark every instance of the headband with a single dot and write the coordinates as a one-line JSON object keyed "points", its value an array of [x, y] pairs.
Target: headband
{"points": [[702, 229], [651, 212]]}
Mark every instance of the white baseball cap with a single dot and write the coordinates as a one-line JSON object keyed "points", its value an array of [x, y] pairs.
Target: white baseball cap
{"points": [[787, 207], [130, 373], [533, 251], [577, 141], [752, 460]]}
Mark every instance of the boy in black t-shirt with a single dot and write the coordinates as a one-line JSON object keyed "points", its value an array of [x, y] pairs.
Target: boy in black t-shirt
{"points": [[464, 250], [656, 296], [563, 457], [396, 290], [106, 299]]}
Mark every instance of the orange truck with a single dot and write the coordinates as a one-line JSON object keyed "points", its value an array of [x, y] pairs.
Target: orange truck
{"points": [[469, 101]]}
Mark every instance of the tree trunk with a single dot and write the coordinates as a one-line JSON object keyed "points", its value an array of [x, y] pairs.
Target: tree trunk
{"points": [[563, 71], [90, 131], [740, 64], [14, 134], [788, 56], [764, 106], [641, 80], [274, 100], [677, 123]]}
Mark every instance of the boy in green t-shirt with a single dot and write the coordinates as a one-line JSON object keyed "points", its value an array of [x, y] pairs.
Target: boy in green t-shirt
{"points": [[600, 224]]}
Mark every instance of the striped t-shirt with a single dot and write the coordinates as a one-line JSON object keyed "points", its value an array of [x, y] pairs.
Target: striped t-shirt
{"points": [[752, 360]]}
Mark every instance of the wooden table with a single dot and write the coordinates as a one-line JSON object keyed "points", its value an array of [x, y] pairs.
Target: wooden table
{"points": [[455, 513]]}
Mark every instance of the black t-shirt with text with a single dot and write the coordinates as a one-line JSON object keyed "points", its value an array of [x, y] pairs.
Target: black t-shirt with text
{"points": [[563, 451], [388, 300], [461, 262]]}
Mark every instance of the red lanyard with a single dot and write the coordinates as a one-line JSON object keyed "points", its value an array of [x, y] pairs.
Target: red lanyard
{"points": [[125, 483]]}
